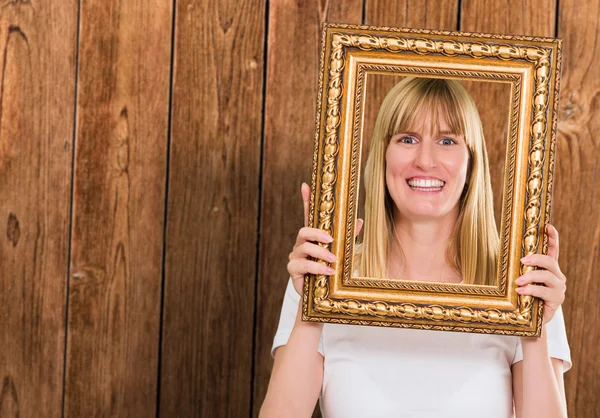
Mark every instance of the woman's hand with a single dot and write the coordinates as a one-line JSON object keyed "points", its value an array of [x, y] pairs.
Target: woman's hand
{"points": [[306, 246], [554, 281]]}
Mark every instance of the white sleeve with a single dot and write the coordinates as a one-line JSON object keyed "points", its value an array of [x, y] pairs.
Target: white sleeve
{"points": [[558, 346], [287, 319]]}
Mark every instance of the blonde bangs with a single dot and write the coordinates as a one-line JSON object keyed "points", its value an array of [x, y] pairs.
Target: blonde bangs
{"points": [[430, 100]]}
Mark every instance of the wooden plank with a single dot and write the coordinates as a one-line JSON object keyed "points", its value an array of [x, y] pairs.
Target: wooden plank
{"points": [[577, 191], [119, 192], [417, 14], [292, 74], [509, 17], [213, 209], [37, 82]]}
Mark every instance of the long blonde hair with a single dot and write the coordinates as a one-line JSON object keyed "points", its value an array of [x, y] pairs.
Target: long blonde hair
{"points": [[474, 244]]}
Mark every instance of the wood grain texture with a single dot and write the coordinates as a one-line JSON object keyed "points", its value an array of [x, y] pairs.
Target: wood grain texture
{"points": [[509, 17], [418, 14], [118, 220], [293, 68], [37, 81], [577, 197], [213, 209]]}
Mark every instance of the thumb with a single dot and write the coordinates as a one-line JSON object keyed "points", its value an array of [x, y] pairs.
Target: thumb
{"points": [[552, 241], [305, 192], [359, 225]]}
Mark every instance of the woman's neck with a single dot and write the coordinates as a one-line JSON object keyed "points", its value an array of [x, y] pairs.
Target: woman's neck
{"points": [[424, 244]]}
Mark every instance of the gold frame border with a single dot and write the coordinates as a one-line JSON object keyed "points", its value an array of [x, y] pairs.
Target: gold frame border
{"points": [[525, 319]]}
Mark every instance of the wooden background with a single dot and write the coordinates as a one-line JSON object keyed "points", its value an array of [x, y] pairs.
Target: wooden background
{"points": [[151, 155]]}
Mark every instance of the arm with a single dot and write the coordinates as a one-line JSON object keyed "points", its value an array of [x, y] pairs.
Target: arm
{"points": [[297, 373], [538, 385]]}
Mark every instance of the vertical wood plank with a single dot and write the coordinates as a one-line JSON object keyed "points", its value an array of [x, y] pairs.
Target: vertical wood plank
{"points": [[577, 191], [118, 208], [37, 81], [418, 14], [509, 17], [292, 74], [213, 209]]}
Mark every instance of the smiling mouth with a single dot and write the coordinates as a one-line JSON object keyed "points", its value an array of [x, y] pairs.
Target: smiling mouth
{"points": [[426, 185]]}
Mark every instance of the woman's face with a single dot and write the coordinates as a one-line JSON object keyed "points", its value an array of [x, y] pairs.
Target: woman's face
{"points": [[426, 170]]}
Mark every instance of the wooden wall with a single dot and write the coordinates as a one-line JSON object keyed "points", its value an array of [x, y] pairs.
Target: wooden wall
{"points": [[151, 156]]}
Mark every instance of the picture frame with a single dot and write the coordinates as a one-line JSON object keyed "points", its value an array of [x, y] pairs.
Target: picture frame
{"points": [[529, 67]]}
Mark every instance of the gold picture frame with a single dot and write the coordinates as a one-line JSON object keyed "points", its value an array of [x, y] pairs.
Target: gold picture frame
{"points": [[531, 66]]}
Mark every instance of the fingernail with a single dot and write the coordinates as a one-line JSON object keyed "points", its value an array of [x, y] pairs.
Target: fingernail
{"points": [[332, 258], [330, 270], [525, 259], [520, 280], [519, 289], [328, 238]]}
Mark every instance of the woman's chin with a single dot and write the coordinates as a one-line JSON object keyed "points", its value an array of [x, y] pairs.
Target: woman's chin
{"points": [[425, 213]]}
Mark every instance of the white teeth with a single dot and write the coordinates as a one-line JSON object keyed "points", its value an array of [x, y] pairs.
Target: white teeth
{"points": [[429, 183]]}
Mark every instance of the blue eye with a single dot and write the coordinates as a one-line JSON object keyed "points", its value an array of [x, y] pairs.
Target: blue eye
{"points": [[407, 140], [447, 141]]}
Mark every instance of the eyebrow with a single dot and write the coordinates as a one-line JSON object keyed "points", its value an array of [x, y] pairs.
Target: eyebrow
{"points": [[416, 134]]}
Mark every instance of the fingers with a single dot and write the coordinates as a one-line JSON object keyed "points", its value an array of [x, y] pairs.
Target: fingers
{"points": [[312, 234], [299, 267], [548, 283], [548, 294], [545, 262], [552, 241], [300, 263], [308, 249], [359, 225], [541, 277], [544, 284], [305, 192]]}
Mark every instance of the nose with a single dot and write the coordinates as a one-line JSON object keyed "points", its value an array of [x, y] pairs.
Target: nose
{"points": [[425, 157]]}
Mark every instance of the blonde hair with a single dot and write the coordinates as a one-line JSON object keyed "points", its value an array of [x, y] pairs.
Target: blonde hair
{"points": [[474, 244]]}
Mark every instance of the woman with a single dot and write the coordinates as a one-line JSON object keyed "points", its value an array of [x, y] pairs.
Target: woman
{"points": [[428, 217]]}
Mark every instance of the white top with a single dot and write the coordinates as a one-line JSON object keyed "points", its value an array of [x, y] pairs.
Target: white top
{"points": [[394, 372]]}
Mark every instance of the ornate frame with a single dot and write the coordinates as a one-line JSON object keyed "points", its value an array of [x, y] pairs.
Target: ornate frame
{"points": [[532, 67]]}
